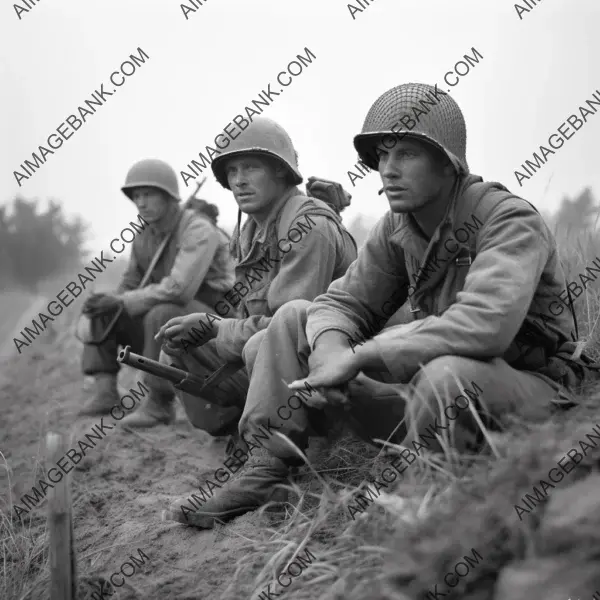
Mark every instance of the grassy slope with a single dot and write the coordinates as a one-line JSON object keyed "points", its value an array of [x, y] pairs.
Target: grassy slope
{"points": [[401, 551]]}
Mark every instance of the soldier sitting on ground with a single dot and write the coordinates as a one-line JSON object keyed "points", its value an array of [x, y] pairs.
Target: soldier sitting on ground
{"points": [[291, 246], [193, 271], [478, 266]]}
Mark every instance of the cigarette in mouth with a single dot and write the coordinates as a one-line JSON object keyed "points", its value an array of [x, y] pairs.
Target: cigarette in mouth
{"points": [[380, 191]]}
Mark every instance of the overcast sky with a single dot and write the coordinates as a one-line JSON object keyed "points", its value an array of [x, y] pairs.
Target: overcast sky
{"points": [[202, 71]]}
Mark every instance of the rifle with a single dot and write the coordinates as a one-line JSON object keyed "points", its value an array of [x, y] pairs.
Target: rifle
{"points": [[189, 383], [86, 336], [182, 380], [199, 184]]}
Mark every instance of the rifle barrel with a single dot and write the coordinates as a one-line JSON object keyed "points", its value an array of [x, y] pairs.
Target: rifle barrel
{"points": [[172, 374]]}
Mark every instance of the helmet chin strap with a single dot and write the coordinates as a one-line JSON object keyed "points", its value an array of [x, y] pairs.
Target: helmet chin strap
{"points": [[239, 222]]}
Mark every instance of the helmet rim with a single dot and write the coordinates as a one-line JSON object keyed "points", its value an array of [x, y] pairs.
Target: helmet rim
{"points": [[217, 164], [127, 189], [363, 141]]}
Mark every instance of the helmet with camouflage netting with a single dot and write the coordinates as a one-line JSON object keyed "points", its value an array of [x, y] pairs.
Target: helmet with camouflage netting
{"points": [[434, 115]]}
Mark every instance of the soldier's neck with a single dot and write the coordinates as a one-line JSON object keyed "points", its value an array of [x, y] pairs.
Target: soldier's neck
{"points": [[263, 219], [430, 216]]}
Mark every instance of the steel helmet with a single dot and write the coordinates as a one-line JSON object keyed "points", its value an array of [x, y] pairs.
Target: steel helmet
{"points": [[443, 126], [262, 136], [152, 172]]}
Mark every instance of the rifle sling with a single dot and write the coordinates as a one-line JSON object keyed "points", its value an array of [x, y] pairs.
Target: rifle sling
{"points": [[159, 252]]}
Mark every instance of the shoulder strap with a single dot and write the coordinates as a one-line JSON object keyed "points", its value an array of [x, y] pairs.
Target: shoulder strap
{"points": [[295, 207], [288, 212], [159, 253], [481, 198]]}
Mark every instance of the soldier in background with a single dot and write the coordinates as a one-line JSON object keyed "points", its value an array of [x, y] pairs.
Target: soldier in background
{"points": [[193, 271], [273, 265]]}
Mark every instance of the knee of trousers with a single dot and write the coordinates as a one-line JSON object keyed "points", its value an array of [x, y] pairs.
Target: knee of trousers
{"points": [[291, 316], [251, 348], [158, 315], [444, 378]]}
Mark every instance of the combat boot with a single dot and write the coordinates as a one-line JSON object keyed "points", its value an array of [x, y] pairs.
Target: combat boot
{"points": [[106, 395], [256, 483], [158, 408]]}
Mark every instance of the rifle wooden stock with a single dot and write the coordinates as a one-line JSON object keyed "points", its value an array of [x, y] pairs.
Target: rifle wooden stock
{"points": [[182, 380]]}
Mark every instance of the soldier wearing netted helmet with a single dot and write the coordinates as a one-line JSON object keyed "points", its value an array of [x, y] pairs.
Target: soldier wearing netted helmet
{"points": [[476, 267], [182, 259], [291, 246]]}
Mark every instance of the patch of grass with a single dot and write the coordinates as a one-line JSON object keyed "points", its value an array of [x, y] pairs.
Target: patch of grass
{"points": [[413, 533]]}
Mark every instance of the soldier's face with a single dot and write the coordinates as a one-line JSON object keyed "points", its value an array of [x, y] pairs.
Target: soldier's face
{"points": [[413, 174], [152, 203], [255, 182]]}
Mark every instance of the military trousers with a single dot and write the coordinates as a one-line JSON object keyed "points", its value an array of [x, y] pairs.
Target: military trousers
{"points": [[137, 332], [218, 412], [441, 404]]}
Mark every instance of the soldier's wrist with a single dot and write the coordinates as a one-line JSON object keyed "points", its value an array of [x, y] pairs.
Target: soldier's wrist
{"points": [[367, 356], [332, 340]]}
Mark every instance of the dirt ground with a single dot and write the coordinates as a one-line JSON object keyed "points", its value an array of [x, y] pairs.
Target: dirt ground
{"points": [[122, 485], [409, 539]]}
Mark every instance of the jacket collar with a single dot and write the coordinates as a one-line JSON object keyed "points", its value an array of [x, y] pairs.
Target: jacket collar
{"points": [[252, 234], [260, 231]]}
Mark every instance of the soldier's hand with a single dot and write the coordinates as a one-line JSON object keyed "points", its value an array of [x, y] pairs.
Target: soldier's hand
{"points": [[335, 396], [328, 344], [193, 330], [172, 349], [338, 369], [98, 304], [328, 191]]}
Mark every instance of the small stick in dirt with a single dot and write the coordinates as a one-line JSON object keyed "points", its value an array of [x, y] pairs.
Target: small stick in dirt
{"points": [[60, 526]]}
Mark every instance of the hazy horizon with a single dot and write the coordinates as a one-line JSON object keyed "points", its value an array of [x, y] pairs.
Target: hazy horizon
{"points": [[203, 71]]}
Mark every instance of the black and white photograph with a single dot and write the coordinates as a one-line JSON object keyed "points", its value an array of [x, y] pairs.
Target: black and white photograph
{"points": [[299, 300]]}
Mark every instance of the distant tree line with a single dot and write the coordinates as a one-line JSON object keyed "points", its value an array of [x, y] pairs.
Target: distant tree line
{"points": [[577, 214], [36, 244]]}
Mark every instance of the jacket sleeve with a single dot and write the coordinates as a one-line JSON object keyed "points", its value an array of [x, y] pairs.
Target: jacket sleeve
{"points": [[132, 276], [375, 284], [198, 244], [512, 250], [306, 270]]}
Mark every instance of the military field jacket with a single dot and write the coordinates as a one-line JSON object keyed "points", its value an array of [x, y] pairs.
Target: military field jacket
{"points": [[196, 263], [482, 287], [301, 249]]}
